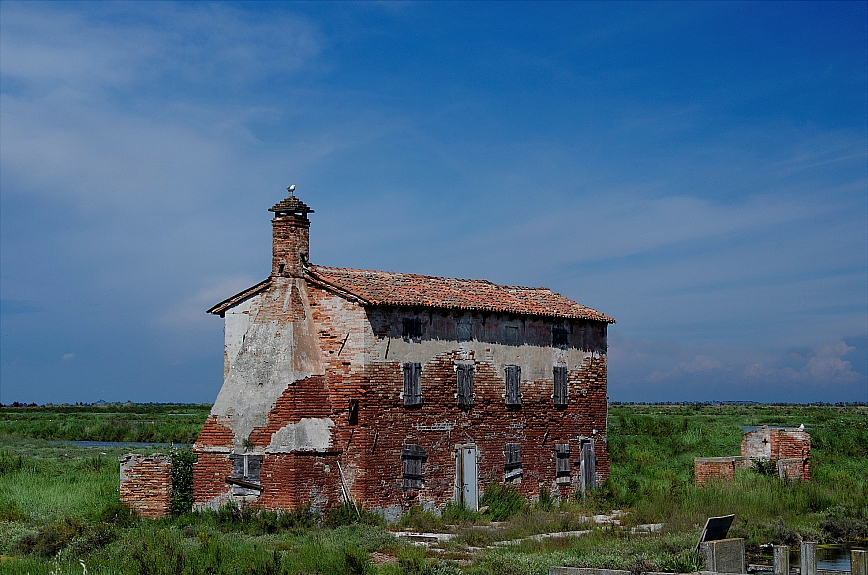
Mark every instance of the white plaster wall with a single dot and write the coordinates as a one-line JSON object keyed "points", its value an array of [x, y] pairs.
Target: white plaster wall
{"points": [[235, 322]]}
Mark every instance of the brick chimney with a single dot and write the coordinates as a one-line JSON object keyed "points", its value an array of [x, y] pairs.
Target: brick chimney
{"points": [[290, 236]]}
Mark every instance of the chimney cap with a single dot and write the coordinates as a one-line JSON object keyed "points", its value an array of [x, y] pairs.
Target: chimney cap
{"points": [[290, 205]]}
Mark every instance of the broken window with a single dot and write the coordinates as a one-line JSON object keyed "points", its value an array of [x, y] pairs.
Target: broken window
{"points": [[353, 412], [513, 461], [561, 388], [560, 336], [412, 384], [411, 327], [513, 385], [465, 384], [562, 462], [245, 474], [413, 456]]}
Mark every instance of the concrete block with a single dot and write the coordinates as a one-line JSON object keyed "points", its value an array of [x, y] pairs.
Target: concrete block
{"points": [[723, 556], [808, 559], [858, 559], [782, 560]]}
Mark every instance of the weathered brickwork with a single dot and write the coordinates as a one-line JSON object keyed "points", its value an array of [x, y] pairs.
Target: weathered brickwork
{"points": [[790, 448], [146, 484], [313, 405]]}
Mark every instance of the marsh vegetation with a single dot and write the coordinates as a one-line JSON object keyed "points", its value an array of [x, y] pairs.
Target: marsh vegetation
{"points": [[59, 502]]}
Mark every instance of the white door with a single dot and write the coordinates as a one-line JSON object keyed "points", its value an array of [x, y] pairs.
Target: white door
{"points": [[468, 477]]}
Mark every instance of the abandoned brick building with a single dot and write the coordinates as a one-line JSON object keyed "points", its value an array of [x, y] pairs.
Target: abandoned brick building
{"points": [[789, 448], [389, 389]]}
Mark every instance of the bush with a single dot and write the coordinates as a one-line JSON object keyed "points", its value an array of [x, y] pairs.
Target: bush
{"points": [[844, 523], [503, 501], [182, 479], [765, 467]]}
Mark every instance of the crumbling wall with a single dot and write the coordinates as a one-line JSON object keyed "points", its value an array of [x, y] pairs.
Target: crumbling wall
{"points": [[146, 484], [708, 469]]}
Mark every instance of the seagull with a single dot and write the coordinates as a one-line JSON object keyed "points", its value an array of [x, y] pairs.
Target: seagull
{"points": [[802, 427], [291, 189]]}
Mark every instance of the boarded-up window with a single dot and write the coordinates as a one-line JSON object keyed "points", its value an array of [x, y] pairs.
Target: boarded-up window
{"points": [[513, 384], [412, 383], [561, 388], [562, 460], [413, 456], [560, 336], [465, 384], [411, 327], [246, 468], [512, 466]]}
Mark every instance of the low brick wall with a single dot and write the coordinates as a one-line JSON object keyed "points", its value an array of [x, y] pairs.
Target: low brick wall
{"points": [[707, 469], [146, 483], [794, 469]]}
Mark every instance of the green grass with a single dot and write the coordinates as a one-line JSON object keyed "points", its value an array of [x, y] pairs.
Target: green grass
{"points": [[59, 502]]}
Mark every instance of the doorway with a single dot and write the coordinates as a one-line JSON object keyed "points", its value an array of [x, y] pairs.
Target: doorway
{"points": [[467, 484]]}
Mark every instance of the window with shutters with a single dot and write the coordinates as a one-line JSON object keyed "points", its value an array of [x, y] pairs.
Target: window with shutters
{"points": [[412, 384], [562, 462], [411, 328], [512, 467], [560, 336], [513, 384], [561, 389], [413, 456], [465, 384]]}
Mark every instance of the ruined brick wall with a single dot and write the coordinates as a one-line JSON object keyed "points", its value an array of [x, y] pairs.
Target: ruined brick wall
{"points": [[776, 444], [708, 469], [209, 479], [146, 484], [796, 469]]}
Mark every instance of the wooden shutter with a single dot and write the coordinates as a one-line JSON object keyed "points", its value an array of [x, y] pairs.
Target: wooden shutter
{"points": [[465, 385], [560, 392], [513, 455], [562, 460], [412, 383], [412, 456], [513, 385]]}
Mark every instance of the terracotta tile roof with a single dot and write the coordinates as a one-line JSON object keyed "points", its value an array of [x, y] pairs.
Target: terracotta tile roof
{"points": [[411, 290], [291, 205]]}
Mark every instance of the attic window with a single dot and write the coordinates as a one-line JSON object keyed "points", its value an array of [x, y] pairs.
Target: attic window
{"points": [[513, 461], [560, 337], [413, 456], [411, 327], [412, 384], [561, 388], [513, 384], [465, 385], [562, 462]]}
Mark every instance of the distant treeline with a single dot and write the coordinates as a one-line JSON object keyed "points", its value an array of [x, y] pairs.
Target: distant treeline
{"points": [[770, 404]]}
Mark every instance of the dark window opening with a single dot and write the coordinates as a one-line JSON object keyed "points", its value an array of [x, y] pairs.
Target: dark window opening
{"points": [[561, 388], [513, 456], [413, 456], [560, 336], [513, 385], [280, 268], [562, 460], [465, 385], [353, 412], [412, 384], [411, 327]]}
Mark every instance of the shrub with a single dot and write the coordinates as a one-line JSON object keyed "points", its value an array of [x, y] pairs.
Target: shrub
{"points": [[182, 479], [503, 501], [765, 467], [845, 523]]}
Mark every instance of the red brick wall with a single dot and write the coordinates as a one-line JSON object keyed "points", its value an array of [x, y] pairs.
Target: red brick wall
{"points": [[209, 478], [289, 243], [708, 469], [146, 484]]}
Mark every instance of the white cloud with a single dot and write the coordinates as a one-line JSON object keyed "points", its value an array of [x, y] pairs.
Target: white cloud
{"points": [[68, 356]]}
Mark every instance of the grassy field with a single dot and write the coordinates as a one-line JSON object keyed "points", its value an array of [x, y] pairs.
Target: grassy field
{"points": [[59, 511]]}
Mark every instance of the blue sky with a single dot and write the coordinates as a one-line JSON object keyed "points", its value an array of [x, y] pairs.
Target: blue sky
{"points": [[695, 170]]}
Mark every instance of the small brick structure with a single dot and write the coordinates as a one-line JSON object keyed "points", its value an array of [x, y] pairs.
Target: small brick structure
{"points": [[146, 484], [788, 447]]}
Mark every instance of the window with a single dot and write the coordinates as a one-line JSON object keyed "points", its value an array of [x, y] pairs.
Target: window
{"points": [[465, 331], [353, 412], [513, 385], [511, 335], [411, 327], [560, 336], [413, 456], [513, 461], [465, 384], [561, 388], [562, 463], [412, 384], [245, 474]]}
